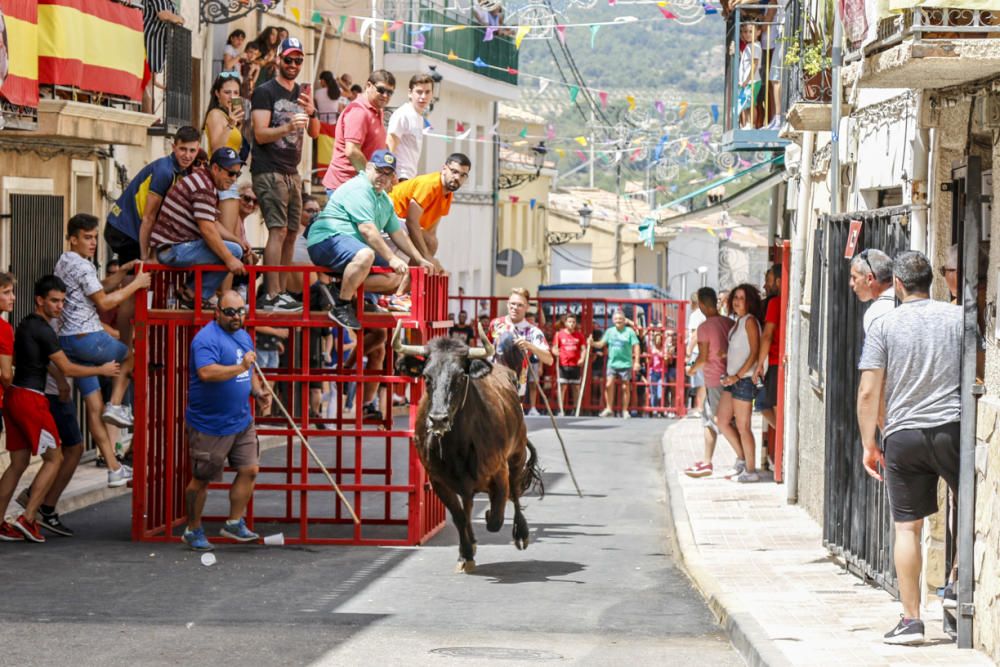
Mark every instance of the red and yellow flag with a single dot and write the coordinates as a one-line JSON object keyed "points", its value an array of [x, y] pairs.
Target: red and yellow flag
{"points": [[92, 45], [21, 85]]}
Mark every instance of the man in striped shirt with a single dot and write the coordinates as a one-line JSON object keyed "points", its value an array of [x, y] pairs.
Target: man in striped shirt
{"points": [[186, 233]]}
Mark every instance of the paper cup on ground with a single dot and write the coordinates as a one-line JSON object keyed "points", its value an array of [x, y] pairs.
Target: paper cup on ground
{"points": [[276, 540], [208, 559]]}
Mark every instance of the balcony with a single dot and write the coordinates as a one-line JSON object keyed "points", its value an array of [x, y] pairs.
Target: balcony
{"points": [[929, 47], [465, 44], [174, 103], [752, 120]]}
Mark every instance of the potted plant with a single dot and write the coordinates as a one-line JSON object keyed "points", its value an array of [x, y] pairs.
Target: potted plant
{"points": [[811, 52]]}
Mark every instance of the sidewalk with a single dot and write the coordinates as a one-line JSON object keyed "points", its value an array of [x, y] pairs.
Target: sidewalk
{"points": [[777, 591]]}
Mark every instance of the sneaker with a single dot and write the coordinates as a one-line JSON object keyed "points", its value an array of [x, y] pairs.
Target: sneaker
{"points": [[285, 302], [607, 412], [533, 412], [626, 414], [400, 303], [371, 413], [117, 415], [699, 469], [375, 307], [196, 540], [747, 477], [119, 477], [33, 533], [949, 596], [344, 315], [238, 531], [737, 468], [51, 523], [23, 497], [9, 533], [907, 632], [313, 416]]}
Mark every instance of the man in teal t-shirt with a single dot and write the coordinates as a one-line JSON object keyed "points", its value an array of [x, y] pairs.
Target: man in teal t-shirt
{"points": [[346, 237], [623, 361]]}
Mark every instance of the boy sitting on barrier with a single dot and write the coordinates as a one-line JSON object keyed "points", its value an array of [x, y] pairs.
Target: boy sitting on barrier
{"points": [[346, 237]]}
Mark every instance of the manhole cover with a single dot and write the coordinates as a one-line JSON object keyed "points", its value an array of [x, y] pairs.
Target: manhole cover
{"points": [[496, 653]]}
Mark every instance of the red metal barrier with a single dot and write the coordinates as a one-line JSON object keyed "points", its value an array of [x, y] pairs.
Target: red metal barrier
{"points": [[375, 464], [594, 315]]}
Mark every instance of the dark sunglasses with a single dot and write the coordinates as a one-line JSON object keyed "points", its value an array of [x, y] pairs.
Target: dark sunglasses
{"points": [[382, 90], [234, 174], [292, 61], [233, 312], [230, 75], [864, 256], [247, 199]]}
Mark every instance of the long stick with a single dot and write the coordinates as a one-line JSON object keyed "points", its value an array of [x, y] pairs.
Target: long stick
{"points": [[305, 442], [583, 379], [545, 400]]}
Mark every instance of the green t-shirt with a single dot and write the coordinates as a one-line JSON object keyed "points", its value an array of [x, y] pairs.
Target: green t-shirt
{"points": [[620, 347], [353, 203]]}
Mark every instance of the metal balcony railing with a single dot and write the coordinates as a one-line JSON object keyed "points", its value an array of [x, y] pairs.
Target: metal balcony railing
{"points": [[800, 35], [930, 23], [754, 55], [174, 104], [499, 54]]}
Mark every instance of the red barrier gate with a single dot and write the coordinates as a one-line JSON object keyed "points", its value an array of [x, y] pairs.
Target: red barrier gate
{"points": [[374, 463], [594, 315]]}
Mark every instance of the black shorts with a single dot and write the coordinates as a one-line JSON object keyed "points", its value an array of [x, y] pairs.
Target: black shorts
{"points": [[767, 396], [124, 245], [914, 460], [64, 415], [569, 374]]}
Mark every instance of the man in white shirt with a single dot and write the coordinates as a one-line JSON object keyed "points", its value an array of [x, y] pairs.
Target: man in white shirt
{"points": [[871, 280], [406, 126]]}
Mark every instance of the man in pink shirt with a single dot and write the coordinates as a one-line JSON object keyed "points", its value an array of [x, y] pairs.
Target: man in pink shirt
{"points": [[713, 343], [360, 130]]}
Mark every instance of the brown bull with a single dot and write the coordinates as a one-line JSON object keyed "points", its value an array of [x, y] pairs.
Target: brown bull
{"points": [[470, 435]]}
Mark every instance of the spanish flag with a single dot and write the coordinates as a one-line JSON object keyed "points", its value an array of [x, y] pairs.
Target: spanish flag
{"points": [[21, 20], [93, 45]]}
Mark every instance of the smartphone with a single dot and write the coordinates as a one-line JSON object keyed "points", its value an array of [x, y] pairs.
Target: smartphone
{"points": [[306, 89], [236, 103]]}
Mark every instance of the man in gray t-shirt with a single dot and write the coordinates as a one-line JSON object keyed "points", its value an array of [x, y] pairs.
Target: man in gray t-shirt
{"points": [[915, 352]]}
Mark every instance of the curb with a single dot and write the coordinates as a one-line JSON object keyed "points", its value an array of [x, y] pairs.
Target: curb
{"points": [[743, 630]]}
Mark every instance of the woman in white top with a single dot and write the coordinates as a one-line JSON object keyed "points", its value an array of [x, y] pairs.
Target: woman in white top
{"points": [[738, 387], [231, 51], [327, 99]]}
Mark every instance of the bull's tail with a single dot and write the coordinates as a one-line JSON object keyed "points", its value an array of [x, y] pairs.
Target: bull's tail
{"points": [[532, 477]]}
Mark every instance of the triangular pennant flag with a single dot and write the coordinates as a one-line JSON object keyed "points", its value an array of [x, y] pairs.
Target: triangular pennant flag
{"points": [[521, 32], [296, 13], [573, 92], [514, 199], [618, 157], [488, 37], [580, 140], [427, 123], [715, 113], [460, 127], [561, 33], [385, 36], [709, 10], [343, 22], [660, 108], [317, 17], [493, 130], [396, 25], [353, 26], [593, 34], [705, 137], [542, 85], [612, 2], [531, 203], [550, 132], [667, 14], [560, 152], [478, 62], [464, 135], [523, 133], [511, 70], [452, 55], [365, 27], [631, 102], [424, 27], [603, 94], [711, 232], [419, 41], [683, 109], [647, 232], [580, 154], [455, 28], [659, 147]]}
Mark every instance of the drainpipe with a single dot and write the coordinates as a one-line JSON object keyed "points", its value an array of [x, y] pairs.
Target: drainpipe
{"points": [[837, 95], [796, 278], [495, 236], [920, 188]]}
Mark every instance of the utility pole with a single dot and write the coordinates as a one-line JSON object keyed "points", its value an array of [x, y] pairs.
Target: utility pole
{"points": [[590, 140], [618, 222]]}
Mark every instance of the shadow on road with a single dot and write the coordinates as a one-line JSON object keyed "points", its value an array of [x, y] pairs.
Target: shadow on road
{"points": [[529, 571]]}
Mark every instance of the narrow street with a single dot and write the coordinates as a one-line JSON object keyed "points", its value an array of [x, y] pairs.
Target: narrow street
{"points": [[598, 585]]}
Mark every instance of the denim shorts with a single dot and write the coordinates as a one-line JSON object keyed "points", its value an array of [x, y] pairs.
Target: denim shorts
{"points": [[743, 390], [64, 415], [92, 349], [336, 252], [231, 193], [267, 358]]}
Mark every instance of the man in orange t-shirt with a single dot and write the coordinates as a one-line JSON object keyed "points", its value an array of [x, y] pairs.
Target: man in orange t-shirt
{"points": [[423, 200]]}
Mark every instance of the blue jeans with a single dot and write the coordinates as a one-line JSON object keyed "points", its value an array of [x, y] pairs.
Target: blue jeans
{"points": [[336, 252], [191, 253], [655, 390], [92, 349], [267, 358]]}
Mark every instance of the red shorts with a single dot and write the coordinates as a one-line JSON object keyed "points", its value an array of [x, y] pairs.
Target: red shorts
{"points": [[29, 422]]}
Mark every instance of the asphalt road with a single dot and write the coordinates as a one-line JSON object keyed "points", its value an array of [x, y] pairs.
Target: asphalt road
{"points": [[597, 585]]}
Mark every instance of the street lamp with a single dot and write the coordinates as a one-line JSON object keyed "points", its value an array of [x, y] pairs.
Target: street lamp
{"points": [[512, 174], [559, 238], [436, 78]]}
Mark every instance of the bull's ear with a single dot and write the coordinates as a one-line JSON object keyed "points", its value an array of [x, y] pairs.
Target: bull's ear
{"points": [[410, 366], [478, 368]]}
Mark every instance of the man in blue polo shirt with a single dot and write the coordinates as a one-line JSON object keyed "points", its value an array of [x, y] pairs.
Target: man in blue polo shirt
{"points": [[220, 425], [346, 237]]}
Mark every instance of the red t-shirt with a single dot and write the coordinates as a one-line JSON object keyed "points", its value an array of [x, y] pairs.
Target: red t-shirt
{"points": [[570, 347], [773, 316], [362, 124], [6, 345]]}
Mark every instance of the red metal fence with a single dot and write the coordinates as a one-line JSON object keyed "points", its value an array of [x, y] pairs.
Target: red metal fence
{"points": [[648, 316], [374, 463]]}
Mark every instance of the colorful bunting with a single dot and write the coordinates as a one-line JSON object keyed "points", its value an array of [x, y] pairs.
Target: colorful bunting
{"points": [[603, 94], [396, 25], [581, 140], [521, 32], [667, 14], [478, 62], [631, 102], [660, 108], [532, 202], [550, 132], [682, 109], [419, 41], [542, 85], [385, 36], [560, 152], [343, 22], [455, 28], [317, 17], [593, 34], [488, 37], [296, 13], [514, 199], [353, 27], [561, 33], [715, 113], [452, 55], [580, 154], [523, 133], [365, 27], [573, 92]]}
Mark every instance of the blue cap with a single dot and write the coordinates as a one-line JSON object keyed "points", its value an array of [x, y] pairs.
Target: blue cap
{"points": [[291, 45], [383, 158], [226, 157]]}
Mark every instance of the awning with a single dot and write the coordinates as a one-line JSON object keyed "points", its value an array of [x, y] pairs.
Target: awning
{"points": [[729, 202], [777, 160]]}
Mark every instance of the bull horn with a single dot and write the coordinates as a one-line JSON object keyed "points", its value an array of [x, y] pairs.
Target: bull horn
{"points": [[406, 350], [484, 352]]}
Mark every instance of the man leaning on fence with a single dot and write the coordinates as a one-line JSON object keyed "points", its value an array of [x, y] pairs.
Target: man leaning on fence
{"points": [[914, 352]]}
